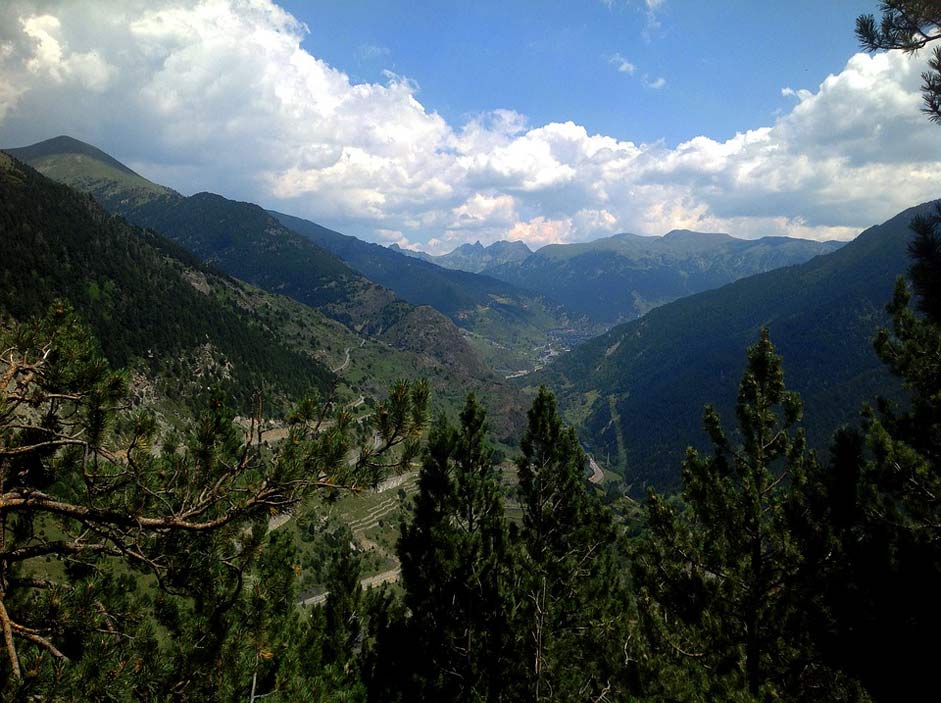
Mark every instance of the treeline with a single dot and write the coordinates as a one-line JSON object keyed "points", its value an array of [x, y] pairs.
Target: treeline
{"points": [[143, 573], [775, 574]]}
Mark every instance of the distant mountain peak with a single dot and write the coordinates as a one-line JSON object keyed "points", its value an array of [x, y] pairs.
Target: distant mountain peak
{"points": [[64, 144], [89, 169], [478, 257]]}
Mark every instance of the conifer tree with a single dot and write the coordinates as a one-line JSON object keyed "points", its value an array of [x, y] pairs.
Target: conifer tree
{"points": [[909, 25], [717, 579], [453, 560], [103, 538], [330, 646], [341, 610], [389, 662], [565, 584], [876, 514]]}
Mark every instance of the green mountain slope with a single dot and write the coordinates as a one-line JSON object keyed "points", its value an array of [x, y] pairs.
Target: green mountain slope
{"points": [[245, 241], [148, 302], [237, 237], [621, 277], [639, 390], [504, 317], [89, 169]]}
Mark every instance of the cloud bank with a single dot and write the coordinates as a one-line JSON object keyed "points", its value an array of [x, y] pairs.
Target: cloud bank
{"points": [[219, 95]]}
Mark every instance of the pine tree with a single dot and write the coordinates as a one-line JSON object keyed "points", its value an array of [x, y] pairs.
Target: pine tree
{"points": [[717, 578], [566, 588], [876, 514], [453, 556], [103, 538], [909, 25], [341, 610]]}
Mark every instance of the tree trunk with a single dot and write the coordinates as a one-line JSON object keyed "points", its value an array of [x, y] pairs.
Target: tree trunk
{"points": [[752, 635]]}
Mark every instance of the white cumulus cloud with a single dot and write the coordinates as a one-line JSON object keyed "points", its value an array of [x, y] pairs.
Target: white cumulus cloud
{"points": [[220, 95]]}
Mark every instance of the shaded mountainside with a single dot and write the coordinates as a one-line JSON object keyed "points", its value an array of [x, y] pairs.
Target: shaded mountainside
{"points": [[511, 318], [640, 388], [146, 300], [451, 292], [245, 241], [475, 257], [621, 277], [237, 237]]}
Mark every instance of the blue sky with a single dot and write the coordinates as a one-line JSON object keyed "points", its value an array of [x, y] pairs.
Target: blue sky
{"points": [[724, 63], [431, 124]]}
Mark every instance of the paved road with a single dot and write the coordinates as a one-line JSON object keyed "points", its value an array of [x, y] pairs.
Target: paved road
{"points": [[597, 475]]}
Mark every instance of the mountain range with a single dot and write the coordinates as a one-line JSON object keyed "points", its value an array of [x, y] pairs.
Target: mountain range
{"points": [[638, 391], [247, 243], [619, 278], [507, 300], [357, 283]]}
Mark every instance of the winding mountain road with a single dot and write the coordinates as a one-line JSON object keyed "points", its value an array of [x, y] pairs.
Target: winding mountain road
{"points": [[346, 362]]}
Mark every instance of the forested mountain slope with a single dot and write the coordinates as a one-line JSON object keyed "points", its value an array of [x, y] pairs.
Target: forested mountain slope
{"points": [[503, 313], [146, 300], [640, 388], [618, 278], [241, 239]]}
